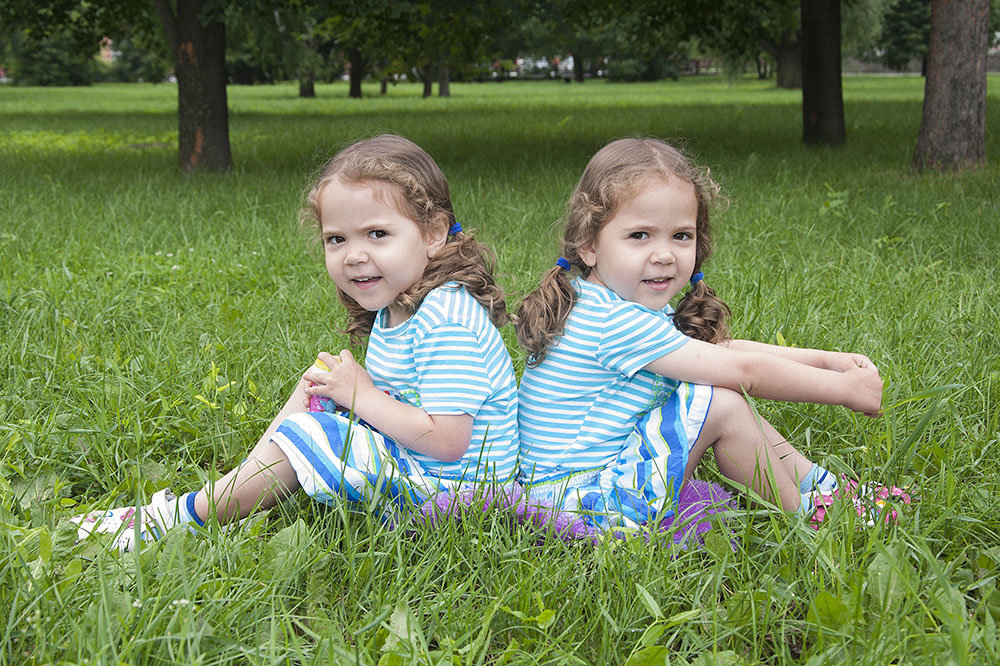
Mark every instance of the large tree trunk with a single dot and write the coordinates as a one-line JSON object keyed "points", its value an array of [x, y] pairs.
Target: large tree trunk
{"points": [[444, 81], [953, 127], [357, 73], [822, 95], [307, 84], [578, 67], [198, 41]]}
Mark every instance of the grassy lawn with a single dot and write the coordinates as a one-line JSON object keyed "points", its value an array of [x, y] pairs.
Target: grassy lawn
{"points": [[151, 323]]}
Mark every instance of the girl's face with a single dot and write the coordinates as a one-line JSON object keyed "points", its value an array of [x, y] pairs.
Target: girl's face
{"points": [[373, 252], [646, 252]]}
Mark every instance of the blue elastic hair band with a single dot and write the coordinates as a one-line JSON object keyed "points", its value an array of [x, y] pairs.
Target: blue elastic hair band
{"points": [[455, 228], [562, 263], [697, 277]]}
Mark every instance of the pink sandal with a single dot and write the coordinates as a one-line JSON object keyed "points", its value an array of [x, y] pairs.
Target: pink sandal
{"points": [[870, 500]]}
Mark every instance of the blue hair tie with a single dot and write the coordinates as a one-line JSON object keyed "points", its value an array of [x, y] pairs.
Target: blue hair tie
{"points": [[697, 277], [455, 228], [562, 263]]}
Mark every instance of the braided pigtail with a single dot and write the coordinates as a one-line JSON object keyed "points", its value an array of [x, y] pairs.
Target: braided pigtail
{"points": [[702, 315], [542, 315], [468, 262]]}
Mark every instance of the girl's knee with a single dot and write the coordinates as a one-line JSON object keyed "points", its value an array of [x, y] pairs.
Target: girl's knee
{"points": [[727, 403], [729, 412]]}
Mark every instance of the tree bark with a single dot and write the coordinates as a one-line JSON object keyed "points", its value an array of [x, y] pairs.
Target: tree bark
{"points": [[953, 127], [428, 76], [307, 84], [822, 94], [578, 67], [197, 39], [444, 81], [787, 54], [788, 60], [357, 73]]}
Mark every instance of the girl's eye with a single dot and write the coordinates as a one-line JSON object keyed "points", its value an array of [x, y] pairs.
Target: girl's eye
{"points": [[378, 233], [639, 235], [334, 240], [683, 236]]}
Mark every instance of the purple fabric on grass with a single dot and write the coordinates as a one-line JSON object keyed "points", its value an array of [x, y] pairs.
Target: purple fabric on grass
{"points": [[698, 501]]}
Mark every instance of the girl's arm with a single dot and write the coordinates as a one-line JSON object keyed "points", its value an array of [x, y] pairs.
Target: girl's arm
{"points": [[442, 437], [772, 376], [817, 358]]}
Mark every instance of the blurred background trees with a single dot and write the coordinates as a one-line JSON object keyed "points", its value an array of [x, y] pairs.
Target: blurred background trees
{"points": [[203, 45]]}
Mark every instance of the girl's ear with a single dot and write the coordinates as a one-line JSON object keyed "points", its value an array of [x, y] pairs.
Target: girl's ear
{"points": [[436, 235], [588, 253]]}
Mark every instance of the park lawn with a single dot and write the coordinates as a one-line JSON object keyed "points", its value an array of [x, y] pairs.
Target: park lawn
{"points": [[152, 322]]}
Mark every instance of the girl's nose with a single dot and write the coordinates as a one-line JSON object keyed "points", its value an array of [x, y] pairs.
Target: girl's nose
{"points": [[355, 255], [662, 255]]}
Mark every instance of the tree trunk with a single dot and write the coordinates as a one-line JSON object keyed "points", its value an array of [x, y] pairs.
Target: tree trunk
{"points": [[822, 95], [357, 73], [578, 67], [428, 76], [307, 85], [953, 128], [197, 39], [383, 87], [787, 56], [789, 64], [444, 81]]}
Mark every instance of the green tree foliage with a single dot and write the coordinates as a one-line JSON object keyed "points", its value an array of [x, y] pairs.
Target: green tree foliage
{"points": [[280, 41], [657, 56], [137, 58], [862, 25], [55, 59], [905, 33]]}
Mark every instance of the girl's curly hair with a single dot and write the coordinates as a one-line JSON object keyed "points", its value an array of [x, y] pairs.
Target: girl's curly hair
{"points": [[420, 192], [612, 178]]}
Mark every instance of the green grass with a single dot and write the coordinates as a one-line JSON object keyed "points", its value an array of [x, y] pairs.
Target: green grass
{"points": [[151, 323]]}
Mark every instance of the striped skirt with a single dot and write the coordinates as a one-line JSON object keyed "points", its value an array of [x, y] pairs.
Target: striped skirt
{"points": [[334, 456], [643, 483]]}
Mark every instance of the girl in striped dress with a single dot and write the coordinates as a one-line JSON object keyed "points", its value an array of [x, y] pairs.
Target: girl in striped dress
{"points": [[434, 409], [623, 395]]}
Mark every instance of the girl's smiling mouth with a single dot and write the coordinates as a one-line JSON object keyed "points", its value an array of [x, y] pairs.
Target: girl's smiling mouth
{"points": [[366, 282]]}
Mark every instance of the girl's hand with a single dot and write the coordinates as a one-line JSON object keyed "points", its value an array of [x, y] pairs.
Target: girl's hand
{"points": [[345, 381], [843, 361], [864, 390]]}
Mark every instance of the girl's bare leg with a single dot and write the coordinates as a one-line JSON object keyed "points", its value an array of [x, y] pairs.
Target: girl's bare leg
{"points": [[796, 463], [744, 454], [260, 481]]}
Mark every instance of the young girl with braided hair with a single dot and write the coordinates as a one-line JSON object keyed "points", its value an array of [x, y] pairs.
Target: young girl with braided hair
{"points": [[434, 409], [623, 395]]}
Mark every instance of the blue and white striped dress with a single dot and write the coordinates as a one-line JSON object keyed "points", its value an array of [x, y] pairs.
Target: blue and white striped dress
{"points": [[448, 358], [599, 434]]}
